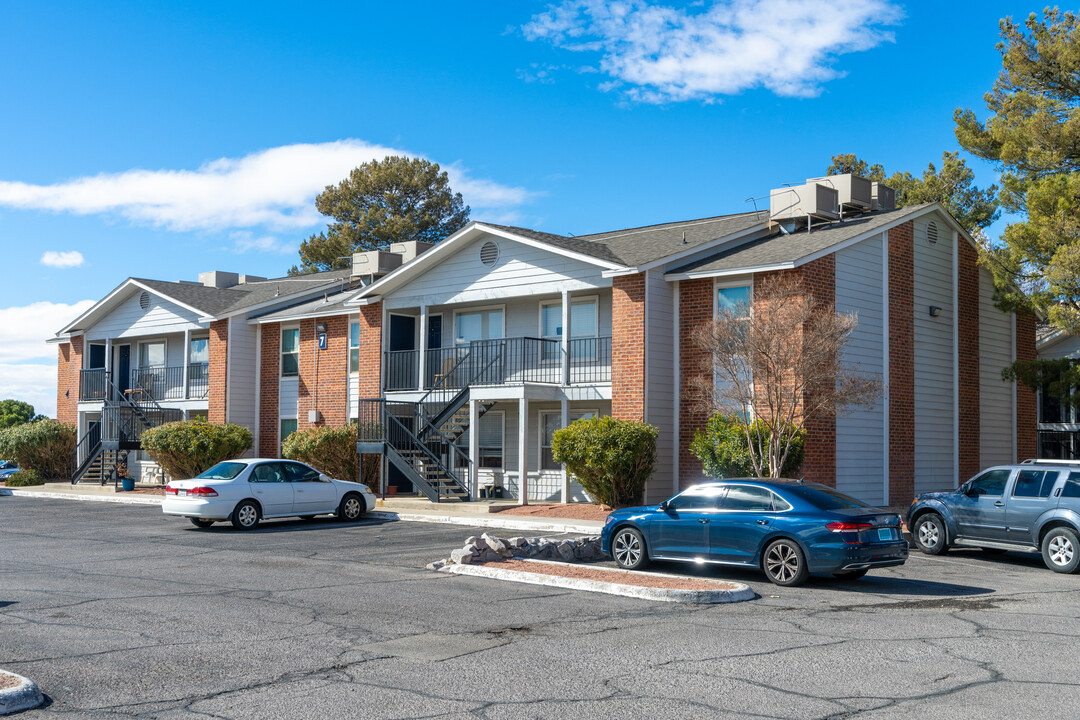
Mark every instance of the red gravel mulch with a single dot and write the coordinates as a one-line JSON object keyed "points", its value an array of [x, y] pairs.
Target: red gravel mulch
{"points": [[613, 576], [569, 511]]}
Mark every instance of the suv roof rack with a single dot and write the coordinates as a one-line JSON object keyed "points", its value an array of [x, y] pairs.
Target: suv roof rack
{"points": [[1047, 461]]}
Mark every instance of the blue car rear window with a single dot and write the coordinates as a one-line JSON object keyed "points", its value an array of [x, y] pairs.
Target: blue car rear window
{"points": [[824, 497], [223, 471]]}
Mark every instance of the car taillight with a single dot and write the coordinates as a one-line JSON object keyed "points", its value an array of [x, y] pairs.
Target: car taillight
{"points": [[170, 490], [843, 527], [202, 492]]}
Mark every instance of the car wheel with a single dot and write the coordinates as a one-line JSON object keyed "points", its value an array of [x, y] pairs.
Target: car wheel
{"points": [[784, 563], [1061, 550], [246, 515], [351, 508], [201, 522], [929, 534], [850, 574], [628, 549]]}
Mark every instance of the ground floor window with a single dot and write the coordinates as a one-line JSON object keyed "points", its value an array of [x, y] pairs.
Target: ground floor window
{"points": [[288, 427], [490, 447], [549, 423]]}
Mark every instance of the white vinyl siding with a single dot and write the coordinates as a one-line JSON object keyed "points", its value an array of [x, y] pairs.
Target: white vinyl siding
{"points": [[242, 383], [995, 395], [935, 446], [288, 397], [660, 363], [860, 462], [130, 320]]}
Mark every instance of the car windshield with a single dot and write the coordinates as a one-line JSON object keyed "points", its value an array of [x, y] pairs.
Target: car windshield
{"points": [[223, 471], [824, 497]]}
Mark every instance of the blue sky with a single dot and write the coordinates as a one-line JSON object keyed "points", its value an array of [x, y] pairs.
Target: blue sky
{"points": [[139, 140]]}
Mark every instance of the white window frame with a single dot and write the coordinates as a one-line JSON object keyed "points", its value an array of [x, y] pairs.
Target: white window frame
{"points": [[282, 353], [192, 339], [718, 285], [164, 342], [354, 324], [281, 439], [478, 308], [580, 412], [502, 433]]}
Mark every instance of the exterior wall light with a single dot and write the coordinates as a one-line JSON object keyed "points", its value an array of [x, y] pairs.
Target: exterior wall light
{"points": [[320, 327], [935, 311]]}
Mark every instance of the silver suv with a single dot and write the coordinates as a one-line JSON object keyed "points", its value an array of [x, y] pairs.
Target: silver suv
{"points": [[1031, 507]]}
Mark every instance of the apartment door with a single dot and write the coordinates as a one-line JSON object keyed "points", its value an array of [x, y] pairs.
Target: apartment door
{"points": [[402, 364], [123, 368]]}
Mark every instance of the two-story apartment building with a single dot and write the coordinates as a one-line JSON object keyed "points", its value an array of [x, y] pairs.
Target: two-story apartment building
{"points": [[459, 361]]}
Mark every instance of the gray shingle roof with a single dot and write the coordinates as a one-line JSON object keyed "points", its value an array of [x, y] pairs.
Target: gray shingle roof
{"points": [[333, 302], [778, 249], [574, 244], [220, 301]]}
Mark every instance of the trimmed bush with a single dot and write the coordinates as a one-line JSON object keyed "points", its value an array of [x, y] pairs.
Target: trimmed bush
{"points": [[44, 446], [331, 451], [190, 447], [724, 453], [612, 459], [25, 478]]}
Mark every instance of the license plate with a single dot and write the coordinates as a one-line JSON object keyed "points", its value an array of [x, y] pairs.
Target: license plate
{"points": [[886, 534]]}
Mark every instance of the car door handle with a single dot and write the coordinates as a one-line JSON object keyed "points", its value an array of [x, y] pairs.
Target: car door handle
{"points": [[999, 504], [762, 522], [703, 522]]}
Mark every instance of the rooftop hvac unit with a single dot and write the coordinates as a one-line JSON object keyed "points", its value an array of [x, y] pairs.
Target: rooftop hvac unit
{"points": [[855, 192], [374, 262], [883, 197], [813, 200], [409, 249]]}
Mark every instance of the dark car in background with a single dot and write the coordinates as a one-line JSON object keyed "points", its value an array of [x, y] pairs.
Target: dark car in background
{"points": [[787, 528], [1031, 507]]}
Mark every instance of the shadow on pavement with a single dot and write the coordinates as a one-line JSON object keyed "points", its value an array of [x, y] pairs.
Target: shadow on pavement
{"points": [[274, 525]]}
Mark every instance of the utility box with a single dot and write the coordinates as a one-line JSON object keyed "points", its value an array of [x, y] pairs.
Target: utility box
{"points": [[813, 200], [313, 416]]}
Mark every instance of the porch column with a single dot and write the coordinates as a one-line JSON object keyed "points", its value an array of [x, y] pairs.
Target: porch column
{"points": [[565, 341], [109, 368], [186, 360], [422, 361], [565, 476], [523, 455], [474, 448]]}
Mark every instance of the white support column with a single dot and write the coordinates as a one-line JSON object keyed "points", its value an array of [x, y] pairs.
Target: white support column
{"points": [[523, 455], [565, 407], [566, 337], [422, 360], [474, 448], [109, 364], [186, 360]]}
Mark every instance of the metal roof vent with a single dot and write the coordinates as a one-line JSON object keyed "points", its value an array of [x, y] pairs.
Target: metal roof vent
{"points": [[489, 254], [144, 300], [931, 232]]}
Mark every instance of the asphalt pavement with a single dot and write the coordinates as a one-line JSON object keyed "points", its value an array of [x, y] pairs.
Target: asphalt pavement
{"points": [[116, 612]]}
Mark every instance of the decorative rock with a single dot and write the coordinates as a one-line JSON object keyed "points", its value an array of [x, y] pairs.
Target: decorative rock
{"points": [[517, 542], [436, 565], [461, 556], [471, 540], [566, 551]]}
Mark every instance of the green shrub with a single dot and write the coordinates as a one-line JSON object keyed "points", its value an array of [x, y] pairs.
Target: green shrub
{"points": [[44, 446], [612, 459], [724, 453], [331, 451], [24, 478], [187, 448]]}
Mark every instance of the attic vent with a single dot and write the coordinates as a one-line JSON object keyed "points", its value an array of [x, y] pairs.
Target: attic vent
{"points": [[489, 254], [931, 232], [144, 300]]}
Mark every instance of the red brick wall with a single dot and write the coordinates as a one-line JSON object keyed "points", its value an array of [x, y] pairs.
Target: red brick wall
{"points": [[370, 351], [269, 372], [968, 321], [901, 364], [219, 346], [819, 460], [695, 308], [1026, 421], [628, 347], [68, 364], [324, 374]]}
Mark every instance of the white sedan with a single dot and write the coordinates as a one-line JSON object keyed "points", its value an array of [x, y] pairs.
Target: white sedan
{"points": [[246, 491]]}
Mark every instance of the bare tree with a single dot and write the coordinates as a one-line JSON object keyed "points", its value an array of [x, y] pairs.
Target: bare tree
{"points": [[778, 362]]}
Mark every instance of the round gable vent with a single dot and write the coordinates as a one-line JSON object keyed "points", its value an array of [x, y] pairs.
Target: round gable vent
{"points": [[144, 300], [489, 254], [931, 232]]}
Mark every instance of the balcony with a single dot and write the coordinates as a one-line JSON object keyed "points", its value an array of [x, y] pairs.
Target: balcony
{"points": [[502, 361], [157, 383]]}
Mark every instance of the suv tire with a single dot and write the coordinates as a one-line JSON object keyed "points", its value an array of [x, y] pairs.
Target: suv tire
{"points": [[1061, 550], [929, 534]]}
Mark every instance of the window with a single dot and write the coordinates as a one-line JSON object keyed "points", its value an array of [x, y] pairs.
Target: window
{"points": [[824, 497], [223, 471], [199, 350], [549, 423], [97, 357], [288, 427], [268, 473], [1051, 409], [490, 447], [1072, 486], [734, 299], [152, 354], [354, 347], [479, 325], [290, 352], [752, 499], [1034, 483], [703, 497], [301, 473], [991, 483]]}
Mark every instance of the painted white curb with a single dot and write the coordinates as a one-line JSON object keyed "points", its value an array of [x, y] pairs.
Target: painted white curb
{"points": [[489, 522], [23, 696], [123, 500], [491, 570]]}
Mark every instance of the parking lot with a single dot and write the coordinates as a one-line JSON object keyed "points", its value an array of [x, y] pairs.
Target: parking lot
{"points": [[117, 611]]}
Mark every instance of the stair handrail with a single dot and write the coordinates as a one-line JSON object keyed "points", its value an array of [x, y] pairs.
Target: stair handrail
{"points": [[392, 421]]}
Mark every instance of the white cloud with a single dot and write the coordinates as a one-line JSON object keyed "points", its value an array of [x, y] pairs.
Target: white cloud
{"points": [[656, 53], [272, 188], [27, 364], [65, 259], [245, 240]]}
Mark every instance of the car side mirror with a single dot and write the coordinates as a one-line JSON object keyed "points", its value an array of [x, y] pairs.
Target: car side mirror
{"points": [[664, 506], [970, 491], [323, 478]]}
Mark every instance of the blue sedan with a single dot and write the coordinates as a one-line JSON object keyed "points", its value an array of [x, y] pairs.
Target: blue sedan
{"points": [[787, 528]]}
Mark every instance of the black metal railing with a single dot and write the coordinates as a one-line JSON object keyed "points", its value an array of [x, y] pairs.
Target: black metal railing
{"points": [[369, 422], [94, 384], [198, 381], [402, 369], [160, 383], [590, 360], [86, 450], [441, 363], [126, 424], [1059, 444]]}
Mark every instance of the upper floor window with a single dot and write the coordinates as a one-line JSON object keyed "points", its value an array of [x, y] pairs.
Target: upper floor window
{"points": [[1051, 409], [354, 347], [735, 299], [290, 352], [152, 354], [479, 325], [199, 351]]}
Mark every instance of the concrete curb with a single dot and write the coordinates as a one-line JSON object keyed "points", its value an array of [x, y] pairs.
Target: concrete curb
{"points": [[489, 522], [128, 500], [23, 696], [739, 594]]}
